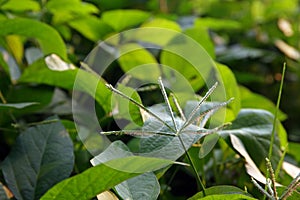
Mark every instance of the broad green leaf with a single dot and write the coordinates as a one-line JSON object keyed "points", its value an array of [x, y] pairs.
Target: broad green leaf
{"points": [[123, 19], [254, 127], [24, 5], [91, 27], [226, 197], [103, 177], [217, 24], [138, 62], [144, 186], [231, 89], [85, 81], [253, 100], [293, 149], [162, 23], [220, 192], [67, 10], [49, 40], [16, 105], [183, 67], [42, 74], [158, 31], [41, 157], [76, 6], [201, 35]]}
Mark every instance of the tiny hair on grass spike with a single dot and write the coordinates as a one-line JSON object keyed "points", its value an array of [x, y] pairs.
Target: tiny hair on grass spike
{"points": [[191, 116]]}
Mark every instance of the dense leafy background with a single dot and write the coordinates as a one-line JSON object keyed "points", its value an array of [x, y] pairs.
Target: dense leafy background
{"points": [[39, 144]]}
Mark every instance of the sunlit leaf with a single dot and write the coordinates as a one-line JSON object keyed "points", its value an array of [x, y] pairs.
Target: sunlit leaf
{"points": [[231, 89], [144, 186], [91, 27], [103, 177], [201, 35], [220, 192], [49, 40], [67, 10], [24, 5], [162, 23], [217, 24], [122, 19], [134, 60]]}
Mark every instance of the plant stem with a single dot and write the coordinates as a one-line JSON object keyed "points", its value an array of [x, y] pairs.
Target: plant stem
{"points": [[2, 98], [276, 112], [199, 181], [275, 120]]}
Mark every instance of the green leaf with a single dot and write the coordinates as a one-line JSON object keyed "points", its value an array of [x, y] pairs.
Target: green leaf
{"points": [[41, 157], [293, 149], [231, 90], [254, 127], [76, 6], [48, 38], [91, 27], [19, 6], [202, 37], [67, 10], [85, 81], [253, 100], [217, 24], [103, 177], [220, 192], [123, 19], [138, 62], [16, 105], [162, 23], [144, 186], [190, 72]]}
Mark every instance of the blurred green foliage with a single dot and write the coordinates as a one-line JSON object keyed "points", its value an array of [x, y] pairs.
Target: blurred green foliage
{"points": [[248, 40]]}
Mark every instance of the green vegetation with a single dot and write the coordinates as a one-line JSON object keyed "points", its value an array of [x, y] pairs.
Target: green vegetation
{"points": [[149, 99]]}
